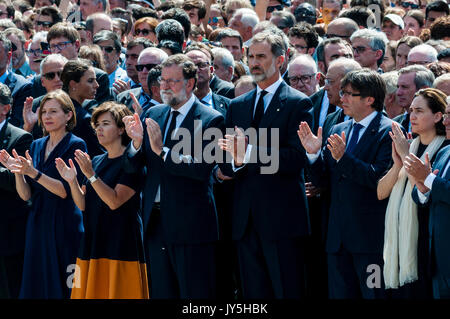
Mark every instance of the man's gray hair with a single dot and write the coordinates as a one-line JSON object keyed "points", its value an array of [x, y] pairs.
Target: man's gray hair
{"points": [[224, 56], [5, 94], [160, 53], [52, 58], [305, 59], [426, 49], [276, 42], [345, 64], [440, 79], [40, 36], [249, 18], [377, 40], [391, 80], [17, 32], [6, 23], [423, 78]]}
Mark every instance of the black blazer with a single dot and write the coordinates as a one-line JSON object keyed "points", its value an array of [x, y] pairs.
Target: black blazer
{"points": [[276, 201], [14, 211], [20, 90], [356, 218], [37, 88], [125, 98], [221, 103], [188, 213], [316, 100], [439, 203], [222, 87]]}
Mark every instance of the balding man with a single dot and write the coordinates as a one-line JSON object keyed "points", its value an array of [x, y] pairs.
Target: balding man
{"points": [[391, 105], [443, 83], [422, 55], [303, 74], [342, 28]]}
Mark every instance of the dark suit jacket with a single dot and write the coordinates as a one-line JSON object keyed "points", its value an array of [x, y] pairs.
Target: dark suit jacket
{"points": [[403, 120], [188, 213], [14, 211], [439, 203], [222, 87], [277, 201], [316, 100], [221, 103], [125, 98], [356, 218], [37, 88], [20, 90]]}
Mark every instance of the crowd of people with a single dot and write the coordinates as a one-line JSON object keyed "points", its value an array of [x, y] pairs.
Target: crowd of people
{"points": [[327, 174]]}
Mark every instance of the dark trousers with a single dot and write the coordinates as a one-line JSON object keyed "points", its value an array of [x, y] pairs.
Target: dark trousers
{"points": [[441, 286], [349, 276], [11, 275], [271, 269], [186, 271]]}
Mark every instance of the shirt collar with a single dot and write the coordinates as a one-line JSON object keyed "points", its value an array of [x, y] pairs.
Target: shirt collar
{"points": [[366, 121], [184, 109], [272, 88], [4, 76]]}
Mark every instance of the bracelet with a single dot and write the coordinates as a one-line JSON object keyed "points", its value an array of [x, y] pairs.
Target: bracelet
{"points": [[39, 174]]}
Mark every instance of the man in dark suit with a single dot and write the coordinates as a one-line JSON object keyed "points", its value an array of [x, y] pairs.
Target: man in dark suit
{"points": [[179, 215], [14, 211], [432, 189], [357, 156], [270, 214], [222, 87], [20, 88]]}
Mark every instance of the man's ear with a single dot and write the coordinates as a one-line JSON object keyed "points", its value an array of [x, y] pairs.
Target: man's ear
{"points": [[378, 54], [279, 61], [77, 45], [321, 66], [311, 51]]}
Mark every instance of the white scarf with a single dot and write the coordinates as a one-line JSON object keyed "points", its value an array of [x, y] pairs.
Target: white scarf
{"points": [[402, 226]]}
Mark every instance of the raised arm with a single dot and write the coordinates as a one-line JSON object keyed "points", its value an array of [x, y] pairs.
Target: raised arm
{"points": [[69, 174]]}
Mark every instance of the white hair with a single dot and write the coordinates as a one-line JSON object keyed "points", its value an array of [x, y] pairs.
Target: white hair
{"points": [[225, 57], [160, 53], [305, 59], [40, 36], [52, 58], [440, 79], [426, 49], [249, 17], [390, 79]]}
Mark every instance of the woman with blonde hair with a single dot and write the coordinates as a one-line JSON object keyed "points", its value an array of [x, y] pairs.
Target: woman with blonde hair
{"points": [[406, 225]]}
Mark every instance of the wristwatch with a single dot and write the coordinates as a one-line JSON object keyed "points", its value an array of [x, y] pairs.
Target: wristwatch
{"points": [[93, 178]]}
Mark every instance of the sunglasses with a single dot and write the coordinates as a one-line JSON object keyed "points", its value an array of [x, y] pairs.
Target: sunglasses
{"points": [[34, 52], [107, 49], [44, 23], [214, 20], [273, 8], [51, 75], [144, 32], [410, 4], [140, 67]]}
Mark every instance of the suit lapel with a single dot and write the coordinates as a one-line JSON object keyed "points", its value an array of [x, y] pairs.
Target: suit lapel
{"points": [[442, 164], [244, 115], [5, 134], [275, 105]]}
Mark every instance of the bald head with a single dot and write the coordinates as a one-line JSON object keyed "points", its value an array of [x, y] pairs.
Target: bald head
{"points": [[342, 28]]}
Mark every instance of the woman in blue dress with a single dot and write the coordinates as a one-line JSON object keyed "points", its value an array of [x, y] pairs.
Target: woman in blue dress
{"points": [[55, 225]]}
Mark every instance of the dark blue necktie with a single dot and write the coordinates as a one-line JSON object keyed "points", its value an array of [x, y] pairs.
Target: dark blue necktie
{"points": [[354, 140], [259, 112]]}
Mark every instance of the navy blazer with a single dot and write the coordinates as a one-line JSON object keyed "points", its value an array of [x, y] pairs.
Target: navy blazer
{"points": [[14, 211], [221, 103], [439, 203], [222, 87], [20, 90], [188, 213], [356, 215], [277, 202]]}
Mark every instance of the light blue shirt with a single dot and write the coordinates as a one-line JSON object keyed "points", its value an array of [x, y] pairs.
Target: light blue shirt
{"points": [[207, 100], [4, 76], [25, 70], [118, 74]]}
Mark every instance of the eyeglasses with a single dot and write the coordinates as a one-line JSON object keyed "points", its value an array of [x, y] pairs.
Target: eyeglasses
{"points": [[329, 81], [44, 23], [273, 8], [51, 75], [343, 93], [305, 79], [107, 49], [140, 67], [214, 20], [409, 4], [359, 50], [170, 82], [34, 52], [144, 32], [59, 46], [202, 65], [299, 47]]}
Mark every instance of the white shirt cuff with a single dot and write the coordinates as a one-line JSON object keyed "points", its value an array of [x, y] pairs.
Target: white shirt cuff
{"points": [[429, 180], [133, 150], [165, 149], [312, 158], [423, 198], [246, 159]]}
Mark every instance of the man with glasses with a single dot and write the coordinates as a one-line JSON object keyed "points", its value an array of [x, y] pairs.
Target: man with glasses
{"points": [[274, 5], [20, 88], [303, 38], [358, 154], [19, 59], [369, 47], [410, 5], [303, 75], [46, 18], [179, 215], [422, 54], [110, 45], [341, 28], [196, 10], [148, 59]]}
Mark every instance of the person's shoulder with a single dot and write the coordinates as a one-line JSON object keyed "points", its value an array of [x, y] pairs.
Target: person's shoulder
{"points": [[206, 111], [244, 98], [75, 140], [16, 130]]}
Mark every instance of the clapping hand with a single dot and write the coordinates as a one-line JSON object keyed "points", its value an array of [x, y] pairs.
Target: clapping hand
{"points": [[310, 142], [236, 145], [337, 145], [134, 129], [69, 174], [154, 135], [120, 86], [29, 117], [395, 157], [401, 143], [23, 165], [84, 162], [136, 105], [7, 160]]}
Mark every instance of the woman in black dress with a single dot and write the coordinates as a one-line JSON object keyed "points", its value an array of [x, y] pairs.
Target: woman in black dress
{"points": [[111, 261]]}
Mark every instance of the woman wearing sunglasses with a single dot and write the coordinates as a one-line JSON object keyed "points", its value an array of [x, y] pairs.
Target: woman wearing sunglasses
{"points": [[145, 28], [54, 225]]}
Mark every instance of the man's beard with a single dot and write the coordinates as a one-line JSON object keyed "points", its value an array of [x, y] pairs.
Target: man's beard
{"points": [[267, 74], [173, 99]]}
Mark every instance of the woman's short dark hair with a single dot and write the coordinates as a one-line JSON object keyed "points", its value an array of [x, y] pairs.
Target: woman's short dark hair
{"points": [[66, 104], [74, 70], [368, 83], [436, 100], [118, 112]]}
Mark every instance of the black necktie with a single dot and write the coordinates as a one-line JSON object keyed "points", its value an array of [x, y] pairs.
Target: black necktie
{"points": [[259, 112], [354, 140], [172, 126]]}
